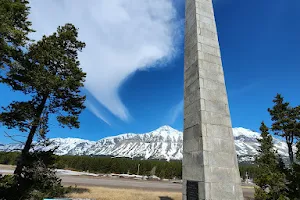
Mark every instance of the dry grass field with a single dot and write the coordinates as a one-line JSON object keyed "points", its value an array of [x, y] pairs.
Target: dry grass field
{"points": [[115, 191], [102, 193], [7, 167]]}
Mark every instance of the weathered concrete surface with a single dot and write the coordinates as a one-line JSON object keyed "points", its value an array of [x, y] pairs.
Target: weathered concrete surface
{"points": [[209, 155]]}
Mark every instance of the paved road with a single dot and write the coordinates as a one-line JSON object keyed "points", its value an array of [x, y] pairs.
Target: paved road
{"points": [[128, 183], [121, 183]]}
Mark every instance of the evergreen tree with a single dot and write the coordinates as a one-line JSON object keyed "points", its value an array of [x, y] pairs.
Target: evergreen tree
{"points": [[293, 177], [49, 74], [293, 182], [270, 180], [285, 122], [14, 28], [281, 164], [298, 150]]}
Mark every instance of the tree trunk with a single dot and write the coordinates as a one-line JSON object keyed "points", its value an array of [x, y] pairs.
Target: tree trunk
{"points": [[291, 153], [29, 140]]}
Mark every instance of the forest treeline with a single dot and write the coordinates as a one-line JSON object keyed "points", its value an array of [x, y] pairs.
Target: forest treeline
{"points": [[162, 169]]}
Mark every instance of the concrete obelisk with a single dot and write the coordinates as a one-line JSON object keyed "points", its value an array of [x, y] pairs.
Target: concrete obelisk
{"points": [[210, 168]]}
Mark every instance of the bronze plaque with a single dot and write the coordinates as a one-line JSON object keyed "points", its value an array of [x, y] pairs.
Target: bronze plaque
{"points": [[192, 190]]}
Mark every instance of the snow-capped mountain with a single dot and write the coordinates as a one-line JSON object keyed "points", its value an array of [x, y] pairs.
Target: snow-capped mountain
{"points": [[162, 143]]}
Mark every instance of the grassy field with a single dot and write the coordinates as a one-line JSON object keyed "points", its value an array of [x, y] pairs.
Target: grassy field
{"points": [[101, 193]]}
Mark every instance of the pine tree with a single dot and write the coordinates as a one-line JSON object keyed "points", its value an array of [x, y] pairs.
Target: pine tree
{"points": [[14, 28], [298, 150], [293, 177], [49, 74], [270, 180], [281, 164], [286, 122], [293, 182]]}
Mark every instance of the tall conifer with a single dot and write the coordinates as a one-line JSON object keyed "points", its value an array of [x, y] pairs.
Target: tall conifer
{"points": [[50, 76], [270, 179], [286, 122]]}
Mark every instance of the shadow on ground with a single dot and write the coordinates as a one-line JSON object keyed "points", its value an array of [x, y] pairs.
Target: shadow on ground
{"points": [[165, 198]]}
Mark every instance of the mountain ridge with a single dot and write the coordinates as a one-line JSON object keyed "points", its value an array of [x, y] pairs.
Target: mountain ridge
{"points": [[162, 143]]}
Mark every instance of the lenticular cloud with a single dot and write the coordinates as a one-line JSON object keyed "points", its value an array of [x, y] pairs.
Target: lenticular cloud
{"points": [[121, 36]]}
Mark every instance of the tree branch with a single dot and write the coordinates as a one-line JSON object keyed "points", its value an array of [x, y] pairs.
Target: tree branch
{"points": [[12, 137]]}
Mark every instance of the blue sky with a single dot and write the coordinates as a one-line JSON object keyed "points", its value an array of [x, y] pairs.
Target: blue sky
{"points": [[135, 77]]}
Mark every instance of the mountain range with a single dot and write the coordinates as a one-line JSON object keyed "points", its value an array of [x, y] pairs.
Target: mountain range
{"points": [[162, 143]]}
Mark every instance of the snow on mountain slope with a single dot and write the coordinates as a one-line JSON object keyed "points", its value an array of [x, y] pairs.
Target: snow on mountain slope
{"points": [[73, 146], [244, 132], [162, 143]]}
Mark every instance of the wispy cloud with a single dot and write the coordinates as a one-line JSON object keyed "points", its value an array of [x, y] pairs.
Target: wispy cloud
{"points": [[175, 112], [242, 89], [122, 36], [95, 111]]}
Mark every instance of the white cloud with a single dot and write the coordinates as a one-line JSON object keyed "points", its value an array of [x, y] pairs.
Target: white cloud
{"points": [[122, 36], [95, 111], [175, 112]]}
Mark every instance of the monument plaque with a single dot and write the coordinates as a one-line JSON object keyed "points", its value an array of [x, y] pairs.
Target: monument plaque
{"points": [[192, 190], [209, 156]]}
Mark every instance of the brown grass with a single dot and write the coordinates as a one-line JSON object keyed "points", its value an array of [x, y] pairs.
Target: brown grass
{"points": [[101, 193], [11, 167]]}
